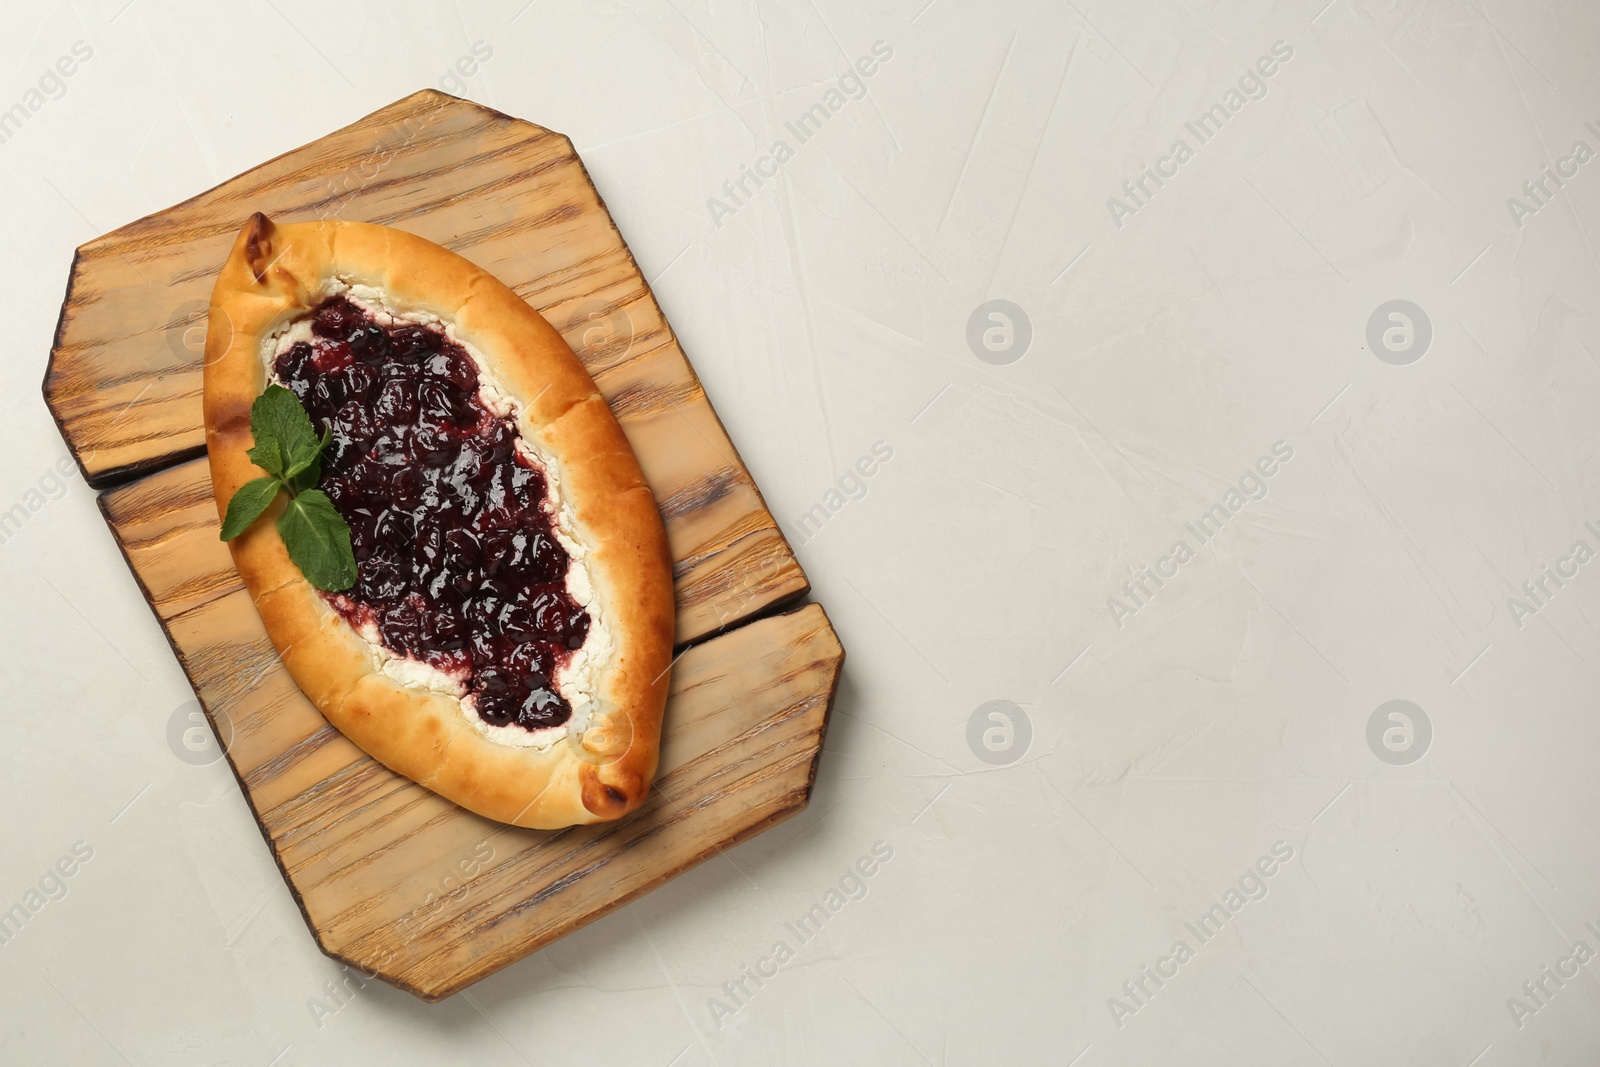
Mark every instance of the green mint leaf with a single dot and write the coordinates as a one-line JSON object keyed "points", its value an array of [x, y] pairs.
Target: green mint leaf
{"points": [[303, 463], [265, 455], [318, 541], [249, 501], [287, 445], [277, 416], [302, 480], [310, 461]]}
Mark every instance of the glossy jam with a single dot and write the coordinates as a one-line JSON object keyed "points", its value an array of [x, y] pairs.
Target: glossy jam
{"points": [[456, 559]]}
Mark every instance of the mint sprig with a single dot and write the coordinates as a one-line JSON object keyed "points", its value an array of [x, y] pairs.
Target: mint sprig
{"points": [[289, 450]]}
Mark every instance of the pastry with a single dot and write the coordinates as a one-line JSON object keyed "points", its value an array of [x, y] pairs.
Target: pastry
{"points": [[507, 637]]}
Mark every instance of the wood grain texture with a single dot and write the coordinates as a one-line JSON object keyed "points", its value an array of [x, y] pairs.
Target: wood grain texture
{"points": [[392, 878], [124, 379], [400, 882]]}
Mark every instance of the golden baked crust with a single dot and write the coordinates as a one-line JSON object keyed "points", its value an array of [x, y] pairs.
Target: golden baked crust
{"points": [[277, 274]]}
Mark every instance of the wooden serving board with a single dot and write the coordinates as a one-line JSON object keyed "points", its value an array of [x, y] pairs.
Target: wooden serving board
{"points": [[390, 877]]}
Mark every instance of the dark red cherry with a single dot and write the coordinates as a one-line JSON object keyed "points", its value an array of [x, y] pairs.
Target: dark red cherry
{"points": [[293, 363], [391, 448], [395, 529], [396, 401], [542, 708], [577, 628], [401, 625], [458, 563], [344, 492], [438, 404], [360, 380], [381, 579], [369, 342], [327, 394], [435, 447], [336, 319], [499, 708], [408, 344], [442, 632], [500, 439], [532, 661]]}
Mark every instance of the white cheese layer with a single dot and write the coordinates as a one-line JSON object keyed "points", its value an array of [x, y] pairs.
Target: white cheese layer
{"points": [[578, 682]]}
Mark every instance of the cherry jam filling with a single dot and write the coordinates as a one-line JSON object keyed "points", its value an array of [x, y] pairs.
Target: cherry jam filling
{"points": [[457, 561]]}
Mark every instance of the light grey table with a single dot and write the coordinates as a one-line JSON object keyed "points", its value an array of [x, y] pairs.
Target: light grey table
{"points": [[1186, 410]]}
